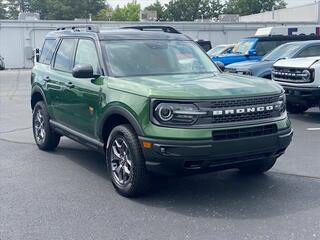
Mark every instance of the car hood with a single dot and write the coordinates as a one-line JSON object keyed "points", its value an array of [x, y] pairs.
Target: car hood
{"points": [[195, 86], [250, 65], [244, 64], [227, 55], [297, 62]]}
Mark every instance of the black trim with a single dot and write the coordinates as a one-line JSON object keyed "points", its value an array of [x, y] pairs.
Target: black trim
{"points": [[79, 137], [37, 89], [183, 156], [122, 112]]}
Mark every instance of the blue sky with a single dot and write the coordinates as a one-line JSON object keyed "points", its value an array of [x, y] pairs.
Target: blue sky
{"points": [[145, 3]]}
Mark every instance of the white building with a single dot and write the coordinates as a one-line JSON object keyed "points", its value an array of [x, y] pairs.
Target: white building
{"points": [[309, 13]]}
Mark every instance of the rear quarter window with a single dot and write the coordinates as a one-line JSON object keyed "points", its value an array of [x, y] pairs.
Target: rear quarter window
{"points": [[47, 51]]}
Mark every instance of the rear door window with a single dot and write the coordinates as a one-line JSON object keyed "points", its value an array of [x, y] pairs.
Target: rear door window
{"points": [[312, 51], [64, 56], [47, 51]]}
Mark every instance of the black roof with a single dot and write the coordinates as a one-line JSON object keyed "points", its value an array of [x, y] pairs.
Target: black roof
{"points": [[127, 33]]}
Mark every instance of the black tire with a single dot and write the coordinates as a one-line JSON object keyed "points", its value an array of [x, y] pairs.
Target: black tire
{"points": [[137, 182], [259, 167], [296, 108], [50, 139]]}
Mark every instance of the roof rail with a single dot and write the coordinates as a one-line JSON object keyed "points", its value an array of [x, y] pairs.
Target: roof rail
{"points": [[87, 27], [166, 29]]}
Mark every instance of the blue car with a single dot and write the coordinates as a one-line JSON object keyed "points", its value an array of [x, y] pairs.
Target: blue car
{"points": [[254, 48], [263, 68]]}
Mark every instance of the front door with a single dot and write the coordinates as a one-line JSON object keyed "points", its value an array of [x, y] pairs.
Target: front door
{"points": [[84, 93]]}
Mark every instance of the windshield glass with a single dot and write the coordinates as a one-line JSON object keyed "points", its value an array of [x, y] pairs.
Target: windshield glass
{"points": [[283, 51], [243, 47], [156, 57]]}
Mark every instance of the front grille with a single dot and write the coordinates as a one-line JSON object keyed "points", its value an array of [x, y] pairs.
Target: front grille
{"points": [[292, 75], [239, 102], [229, 134], [242, 103]]}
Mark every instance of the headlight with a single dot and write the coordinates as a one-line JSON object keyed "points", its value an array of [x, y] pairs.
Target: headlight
{"points": [[306, 75], [281, 104], [176, 113]]}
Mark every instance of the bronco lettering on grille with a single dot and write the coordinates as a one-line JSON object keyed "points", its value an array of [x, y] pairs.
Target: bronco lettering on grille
{"points": [[243, 110]]}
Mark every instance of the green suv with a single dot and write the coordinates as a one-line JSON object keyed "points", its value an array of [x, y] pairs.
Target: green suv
{"points": [[153, 102]]}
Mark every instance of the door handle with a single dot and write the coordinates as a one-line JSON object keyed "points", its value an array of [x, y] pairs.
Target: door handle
{"points": [[46, 78], [70, 85]]}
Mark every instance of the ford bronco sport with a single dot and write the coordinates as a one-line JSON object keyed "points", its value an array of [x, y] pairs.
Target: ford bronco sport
{"points": [[301, 81], [153, 101]]}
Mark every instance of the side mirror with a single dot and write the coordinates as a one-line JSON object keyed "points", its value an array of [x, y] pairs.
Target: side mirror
{"points": [[229, 51], [220, 65], [251, 52], [36, 55], [83, 71]]}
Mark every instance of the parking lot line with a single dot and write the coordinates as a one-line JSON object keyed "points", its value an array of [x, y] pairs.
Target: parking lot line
{"points": [[313, 129]]}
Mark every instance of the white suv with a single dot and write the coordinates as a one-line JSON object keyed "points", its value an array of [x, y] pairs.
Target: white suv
{"points": [[300, 77]]}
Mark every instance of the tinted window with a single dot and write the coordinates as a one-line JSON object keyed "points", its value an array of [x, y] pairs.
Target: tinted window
{"points": [[310, 52], [87, 54], [65, 55], [283, 51], [264, 47], [47, 51]]}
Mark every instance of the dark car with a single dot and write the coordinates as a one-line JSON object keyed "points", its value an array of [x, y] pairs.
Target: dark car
{"points": [[263, 68], [2, 65]]}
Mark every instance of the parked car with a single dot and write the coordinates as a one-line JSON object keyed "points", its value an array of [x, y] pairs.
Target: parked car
{"points": [[2, 64], [220, 49], [263, 68], [300, 79], [153, 102], [265, 40]]}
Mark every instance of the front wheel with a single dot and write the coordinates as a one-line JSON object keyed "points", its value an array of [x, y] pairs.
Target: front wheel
{"points": [[45, 137], [258, 167], [126, 163]]}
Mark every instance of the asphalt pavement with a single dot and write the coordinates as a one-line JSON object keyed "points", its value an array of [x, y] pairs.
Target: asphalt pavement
{"points": [[66, 194]]}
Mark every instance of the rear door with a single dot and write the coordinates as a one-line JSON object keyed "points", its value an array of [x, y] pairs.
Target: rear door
{"points": [[60, 80]]}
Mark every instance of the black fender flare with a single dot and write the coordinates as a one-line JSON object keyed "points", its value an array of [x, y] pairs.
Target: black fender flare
{"points": [[122, 112], [38, 89]]}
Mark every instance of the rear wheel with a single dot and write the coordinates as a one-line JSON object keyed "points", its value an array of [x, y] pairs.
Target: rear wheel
{"points": [[127, 166], [296, 108], [259, 167], [45, 137]]}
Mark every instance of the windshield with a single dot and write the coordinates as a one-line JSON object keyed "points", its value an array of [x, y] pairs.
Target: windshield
{"points": [[283, 51], [216, 50], [243, 46], [156, 57]]}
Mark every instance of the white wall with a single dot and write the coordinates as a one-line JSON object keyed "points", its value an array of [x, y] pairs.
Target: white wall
{"points": [[17, 37], [306, 13]]}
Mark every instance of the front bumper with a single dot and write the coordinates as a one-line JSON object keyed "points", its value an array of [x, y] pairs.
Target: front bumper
{"points": [[193, 156], [302, 95]]}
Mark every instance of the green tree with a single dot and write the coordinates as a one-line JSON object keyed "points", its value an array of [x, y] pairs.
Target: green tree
{"points": [[157, 6], [66, 9], [14, 7], [189, 10], [247, 7], [104, 14], [3, 11], [130, 12]]}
